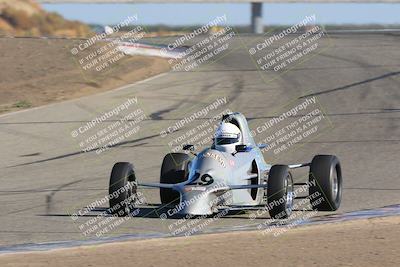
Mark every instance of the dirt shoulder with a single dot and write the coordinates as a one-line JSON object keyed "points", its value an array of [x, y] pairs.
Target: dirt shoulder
{"points": [[371, 242], [35, 72]]}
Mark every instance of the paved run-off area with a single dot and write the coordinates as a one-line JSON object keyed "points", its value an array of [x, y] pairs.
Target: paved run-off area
{"points": [[355, 78]]}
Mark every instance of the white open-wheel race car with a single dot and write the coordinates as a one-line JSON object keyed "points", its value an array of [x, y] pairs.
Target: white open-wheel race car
{"points": [[231, 173]]}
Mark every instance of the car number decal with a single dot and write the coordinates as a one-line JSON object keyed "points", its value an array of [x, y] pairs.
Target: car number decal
{"points": [[205, 179]]}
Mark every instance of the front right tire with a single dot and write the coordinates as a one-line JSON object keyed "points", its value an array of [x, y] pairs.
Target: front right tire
{"points": [[325, 180]]}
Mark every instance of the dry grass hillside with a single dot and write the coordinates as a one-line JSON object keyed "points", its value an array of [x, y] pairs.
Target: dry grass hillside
{"points": [[27, 18], [42, 71]]}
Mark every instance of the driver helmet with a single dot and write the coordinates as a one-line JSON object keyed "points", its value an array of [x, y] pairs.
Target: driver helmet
{"points": [[228, 135]]}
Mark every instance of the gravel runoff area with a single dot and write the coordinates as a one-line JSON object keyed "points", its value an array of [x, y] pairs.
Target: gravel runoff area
{"points": [[369, 242]]}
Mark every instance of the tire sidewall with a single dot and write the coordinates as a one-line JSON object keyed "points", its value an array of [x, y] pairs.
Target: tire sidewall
{"points": [[120, 177], [173, 170], [276, 191], [322, 170]]}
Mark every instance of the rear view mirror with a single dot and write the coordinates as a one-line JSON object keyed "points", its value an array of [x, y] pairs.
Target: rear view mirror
{"points": [[241, 148], [261, 146], [188, 147]]}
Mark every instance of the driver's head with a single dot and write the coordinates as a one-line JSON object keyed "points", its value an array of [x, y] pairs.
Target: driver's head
{"points": [[227, 137]]}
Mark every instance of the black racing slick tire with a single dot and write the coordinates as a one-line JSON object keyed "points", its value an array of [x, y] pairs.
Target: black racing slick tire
{"points": [[173, 170], [326, 181], [280, 192], [122, 188]]}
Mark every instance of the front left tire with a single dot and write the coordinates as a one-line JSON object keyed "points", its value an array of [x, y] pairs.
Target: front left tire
{"points": [[173, 171]]}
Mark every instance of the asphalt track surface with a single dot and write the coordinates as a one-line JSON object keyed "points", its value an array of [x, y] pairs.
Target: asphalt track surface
{"points": [[356, 78]]}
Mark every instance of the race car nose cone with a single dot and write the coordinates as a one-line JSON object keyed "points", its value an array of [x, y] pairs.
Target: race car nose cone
{"points": [[197, 201], [212, 171]]}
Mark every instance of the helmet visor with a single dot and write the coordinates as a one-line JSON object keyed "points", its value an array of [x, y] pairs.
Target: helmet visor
{"points": [[226, 140]]}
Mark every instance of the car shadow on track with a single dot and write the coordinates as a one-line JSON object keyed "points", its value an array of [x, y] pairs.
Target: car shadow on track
{"points": [[157, 212], [154, 211]]}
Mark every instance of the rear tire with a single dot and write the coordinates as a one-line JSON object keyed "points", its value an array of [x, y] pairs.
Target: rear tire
{"points": [[173, 170], [325, 179], [122, 189], [280, 192]]}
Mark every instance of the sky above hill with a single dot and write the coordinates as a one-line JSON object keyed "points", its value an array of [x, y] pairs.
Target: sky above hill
{"points": [[237, 14]]}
